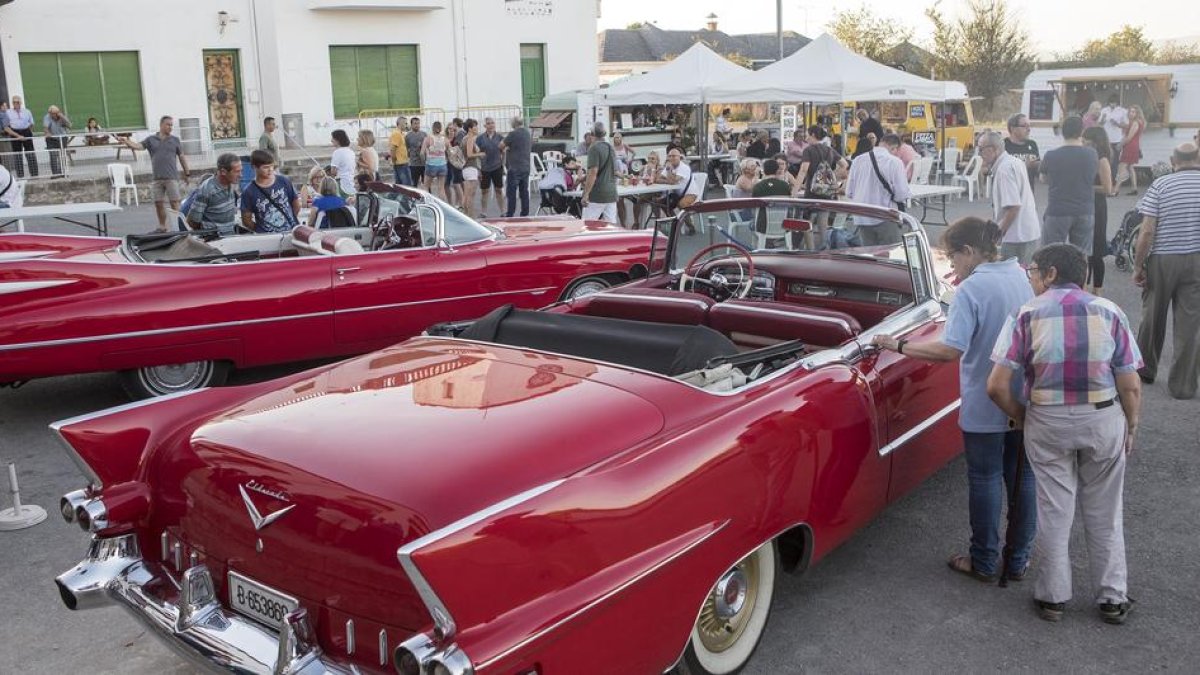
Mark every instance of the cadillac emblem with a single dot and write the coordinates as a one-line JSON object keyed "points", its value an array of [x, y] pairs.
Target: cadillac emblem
{"points": [[260, 521]]}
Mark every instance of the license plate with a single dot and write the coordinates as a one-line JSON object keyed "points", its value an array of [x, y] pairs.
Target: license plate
{"points": [[259, 602]]}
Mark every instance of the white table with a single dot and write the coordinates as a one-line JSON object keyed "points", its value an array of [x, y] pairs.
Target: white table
{"points": [[926, 193], [67, 213], [629, 191]]}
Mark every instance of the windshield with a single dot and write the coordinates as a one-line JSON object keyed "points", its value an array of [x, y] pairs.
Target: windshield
{"points": [[459, 229], [778, 227]]}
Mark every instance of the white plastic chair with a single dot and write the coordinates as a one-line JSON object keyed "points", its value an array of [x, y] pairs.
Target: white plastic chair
{"points": [[949, 164], [920, 175], [552, 158], [121, 178], [970, 176]]}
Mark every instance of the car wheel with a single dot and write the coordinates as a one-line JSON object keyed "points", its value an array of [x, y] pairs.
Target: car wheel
{"points": [[153, 381], [734, 616], [585, 286]]}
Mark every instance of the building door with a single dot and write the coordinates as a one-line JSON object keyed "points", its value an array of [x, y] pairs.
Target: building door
{"points": [[533, 78], [223, 83]]}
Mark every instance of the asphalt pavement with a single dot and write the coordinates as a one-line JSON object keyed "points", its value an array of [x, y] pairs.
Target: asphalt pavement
{"points": [[883, 602]]}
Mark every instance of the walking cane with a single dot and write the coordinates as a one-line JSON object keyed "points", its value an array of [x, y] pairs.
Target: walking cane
{"points": [[1013, 514]]}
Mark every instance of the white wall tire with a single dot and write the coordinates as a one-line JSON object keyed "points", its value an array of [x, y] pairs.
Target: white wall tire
{"points": [[151, 381], [734, 616], [585, 287]]}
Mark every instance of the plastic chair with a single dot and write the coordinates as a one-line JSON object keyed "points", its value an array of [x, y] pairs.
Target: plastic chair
{"points": [[920, 175], [970, 176], [121, 178], [949, 163], [536, 164], [552, 158]]}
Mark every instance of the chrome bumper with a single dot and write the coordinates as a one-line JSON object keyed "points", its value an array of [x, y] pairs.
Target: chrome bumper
{"points": [[187, 616]]}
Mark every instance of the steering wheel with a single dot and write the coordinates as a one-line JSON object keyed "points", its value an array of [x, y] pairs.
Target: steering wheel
{"points": [[717, 282], [395, 232]]}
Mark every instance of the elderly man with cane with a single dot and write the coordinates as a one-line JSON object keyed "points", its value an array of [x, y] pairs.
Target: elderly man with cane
{"points": [[991, 291], [1079, 360]]}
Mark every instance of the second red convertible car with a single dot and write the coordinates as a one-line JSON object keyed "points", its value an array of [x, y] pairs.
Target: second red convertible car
{"points": [[611, 486], [174, 313]]}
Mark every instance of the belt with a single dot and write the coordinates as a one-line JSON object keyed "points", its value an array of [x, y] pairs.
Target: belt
{"points": [[1105, 404]]}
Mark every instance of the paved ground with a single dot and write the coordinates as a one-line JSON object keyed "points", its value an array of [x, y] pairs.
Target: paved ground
{"points": [[884, 602]]}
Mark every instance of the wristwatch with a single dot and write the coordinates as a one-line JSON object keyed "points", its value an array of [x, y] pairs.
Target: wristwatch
{"points": [[900, 345]]}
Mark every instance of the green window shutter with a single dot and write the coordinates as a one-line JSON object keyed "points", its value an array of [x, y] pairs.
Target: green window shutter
{"points": [[83, 87], [343, 69], [42, 87], [404, 82], [122, 91], [372, 78]]}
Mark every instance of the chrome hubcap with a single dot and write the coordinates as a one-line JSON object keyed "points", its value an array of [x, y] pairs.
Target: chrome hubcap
{"points": [[587, 288], [727, 610], [177, 377]]}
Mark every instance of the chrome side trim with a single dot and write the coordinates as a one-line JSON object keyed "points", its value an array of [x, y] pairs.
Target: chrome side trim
{"points": [[160, 331], [414, 303], [7, 287], [24, 255], [602, 598], [913, 432], [83, 467], [658, 298], [442, 619]]}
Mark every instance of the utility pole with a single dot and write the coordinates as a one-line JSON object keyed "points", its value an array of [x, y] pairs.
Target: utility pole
{"points": [[779, 26]]}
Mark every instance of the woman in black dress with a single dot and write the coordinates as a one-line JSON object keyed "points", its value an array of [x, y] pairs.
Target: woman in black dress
{"points": [[1098, 139]]}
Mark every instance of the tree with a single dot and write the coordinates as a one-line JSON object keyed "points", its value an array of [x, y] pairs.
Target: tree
{"points": [[866, 33], [1127, 44], [987, 49], [1177, 52]]}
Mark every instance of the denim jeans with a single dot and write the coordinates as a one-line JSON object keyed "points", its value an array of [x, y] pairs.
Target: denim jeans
{"points": [[402, 175], [518, 183], [1075, 230], [991, 470]]}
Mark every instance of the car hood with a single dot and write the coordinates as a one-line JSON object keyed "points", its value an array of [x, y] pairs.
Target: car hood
{"points": [[431, 430]]}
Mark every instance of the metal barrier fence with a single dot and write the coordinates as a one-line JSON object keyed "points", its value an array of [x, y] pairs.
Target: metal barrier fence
{"points": [[72, 155]]}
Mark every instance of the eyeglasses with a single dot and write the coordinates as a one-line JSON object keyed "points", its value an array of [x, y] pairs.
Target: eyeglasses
{"points": [[1030, 270], [1020, 126]]}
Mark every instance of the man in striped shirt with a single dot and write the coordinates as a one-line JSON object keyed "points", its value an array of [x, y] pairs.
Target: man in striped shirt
{"points": [[1079, 359], [1167, 264]]}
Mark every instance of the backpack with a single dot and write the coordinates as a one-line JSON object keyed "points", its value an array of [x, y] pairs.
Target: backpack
{"points": [[824, 180]]}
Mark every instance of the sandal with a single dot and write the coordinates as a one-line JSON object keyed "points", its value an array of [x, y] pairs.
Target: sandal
{"points": [[962, 564], [1049, 611]]}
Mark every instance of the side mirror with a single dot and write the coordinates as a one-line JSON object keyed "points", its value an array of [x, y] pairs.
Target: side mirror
{"points": [[444, 245]]}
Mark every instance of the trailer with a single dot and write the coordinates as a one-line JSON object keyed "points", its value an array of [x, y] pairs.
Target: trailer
{"points": [[1169, 95]]}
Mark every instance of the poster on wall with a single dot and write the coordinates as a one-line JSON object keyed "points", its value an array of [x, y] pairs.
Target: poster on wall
{"points": [[529, 7], [1041, 105], [787, 121]]}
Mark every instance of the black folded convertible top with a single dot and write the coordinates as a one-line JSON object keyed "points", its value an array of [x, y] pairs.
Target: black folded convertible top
{"points": [[669, 349]]}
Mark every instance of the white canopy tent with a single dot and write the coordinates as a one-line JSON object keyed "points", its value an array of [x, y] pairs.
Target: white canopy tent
{"points": [[684, 80], [824, 71]]}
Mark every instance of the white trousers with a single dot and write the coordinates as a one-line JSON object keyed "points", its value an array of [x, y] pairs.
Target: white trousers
{"points": [[598, 211], [1078, 451]]}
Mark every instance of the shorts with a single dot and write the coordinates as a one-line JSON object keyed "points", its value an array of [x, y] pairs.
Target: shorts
{"points": [[165, 190], [494, 177], [435, 170], [470, 173], [454, 175]]}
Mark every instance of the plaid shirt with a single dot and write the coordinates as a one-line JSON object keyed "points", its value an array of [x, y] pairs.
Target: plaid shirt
{"points": [[1070, 345]]}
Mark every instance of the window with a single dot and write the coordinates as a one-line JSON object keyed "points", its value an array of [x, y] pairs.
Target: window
{"points": [[104, 85], [1151, 93], [374, 77]]}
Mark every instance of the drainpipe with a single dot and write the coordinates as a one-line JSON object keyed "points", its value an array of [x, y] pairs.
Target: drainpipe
{"points": [[459, 58]]}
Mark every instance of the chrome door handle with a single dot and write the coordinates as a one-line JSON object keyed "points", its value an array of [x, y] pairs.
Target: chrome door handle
{"points": [[341, 271]]}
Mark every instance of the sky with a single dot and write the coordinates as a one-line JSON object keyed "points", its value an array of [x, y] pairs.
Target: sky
{"points": [[1056, 26]]}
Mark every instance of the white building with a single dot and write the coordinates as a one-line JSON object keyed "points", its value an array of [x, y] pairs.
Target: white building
{"points": [[229, 63]]}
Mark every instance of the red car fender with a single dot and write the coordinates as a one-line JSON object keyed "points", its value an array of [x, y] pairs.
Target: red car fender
{"points": [[663, 522]]}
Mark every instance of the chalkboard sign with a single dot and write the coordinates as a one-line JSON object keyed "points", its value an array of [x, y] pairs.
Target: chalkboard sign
{"points": [[1041, 105]]}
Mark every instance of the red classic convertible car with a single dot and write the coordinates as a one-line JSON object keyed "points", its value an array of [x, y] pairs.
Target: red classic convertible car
{"points": [[174, 312], [612, 485]]}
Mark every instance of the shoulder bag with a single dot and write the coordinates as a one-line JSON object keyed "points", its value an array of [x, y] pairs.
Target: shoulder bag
{"points": [[886, 185]]}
